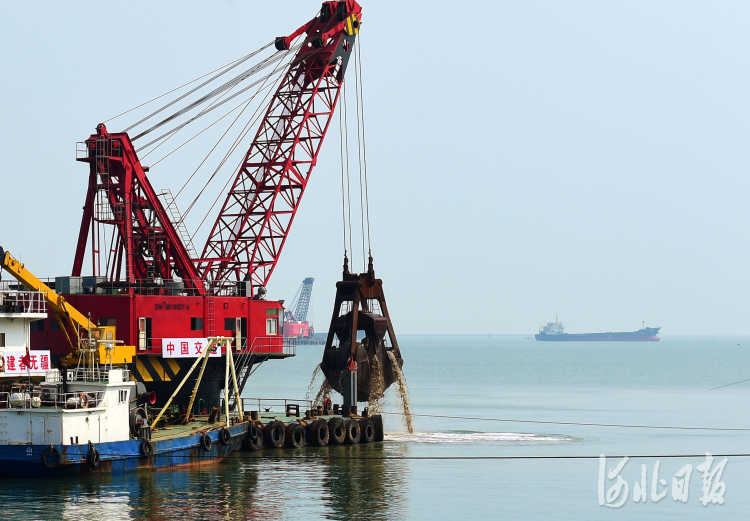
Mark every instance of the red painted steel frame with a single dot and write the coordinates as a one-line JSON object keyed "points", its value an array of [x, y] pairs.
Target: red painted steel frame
{"points": [[253, 224], [147, 241], [251, 229]]}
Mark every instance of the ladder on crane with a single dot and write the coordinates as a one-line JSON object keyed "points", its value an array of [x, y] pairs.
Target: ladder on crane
{"points": [[170, 205]]}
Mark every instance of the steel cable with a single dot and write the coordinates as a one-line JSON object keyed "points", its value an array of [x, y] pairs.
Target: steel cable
{"points": [[358, 70], [214, 104], [343, 196], [232, 148], [727, 385], [237, 63], [348, 180], [173, 90], [239, 139], [359, 158], [229, 85]]}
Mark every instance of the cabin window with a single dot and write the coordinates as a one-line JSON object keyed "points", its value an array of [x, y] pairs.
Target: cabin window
{"points": [[230, 324], [144, 333], [272, 326], [123, 395], [196, 324], [2, 339], [107, 322], [272, 311], [37, 325]]}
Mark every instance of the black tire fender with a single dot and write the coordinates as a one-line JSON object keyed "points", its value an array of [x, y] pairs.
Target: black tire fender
{"points": [[353, 432], [255, 437], [336, 432], [206, 442], [51, 457], [377, 421], [319, 433], [295, 436], [274, 434], [147, 448], [93, 458], [367, 427], [225, 436]]}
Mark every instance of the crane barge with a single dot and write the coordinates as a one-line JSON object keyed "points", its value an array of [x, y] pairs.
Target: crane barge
{"points": [[163, 297]]}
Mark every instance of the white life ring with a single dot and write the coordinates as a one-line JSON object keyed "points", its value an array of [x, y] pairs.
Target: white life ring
{"points": [[83, 400]]}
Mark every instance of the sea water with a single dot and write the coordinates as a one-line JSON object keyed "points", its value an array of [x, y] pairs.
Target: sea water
{"points": [[448, 469]]}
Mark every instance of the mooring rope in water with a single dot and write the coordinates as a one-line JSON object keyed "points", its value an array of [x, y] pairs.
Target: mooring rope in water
{"points": [[727, 385], [312, 457], [577, 423], [321, 457]]}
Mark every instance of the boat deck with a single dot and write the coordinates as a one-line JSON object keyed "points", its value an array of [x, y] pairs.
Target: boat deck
{"points": [[198, 425]]}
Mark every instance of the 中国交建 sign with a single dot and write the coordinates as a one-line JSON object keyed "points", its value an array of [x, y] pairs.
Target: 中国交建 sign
{"points": [[186, 348]]}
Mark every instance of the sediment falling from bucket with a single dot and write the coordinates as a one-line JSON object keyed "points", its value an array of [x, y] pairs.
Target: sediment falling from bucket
{"points": [[402, 391], [324, 392], [375, 403], [311, 386]]}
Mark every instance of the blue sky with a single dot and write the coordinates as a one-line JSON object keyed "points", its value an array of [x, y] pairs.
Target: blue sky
{"points": [[582, 158]]}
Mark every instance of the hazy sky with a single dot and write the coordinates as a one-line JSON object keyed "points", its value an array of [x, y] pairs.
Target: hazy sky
{"points": [[529, 158]]}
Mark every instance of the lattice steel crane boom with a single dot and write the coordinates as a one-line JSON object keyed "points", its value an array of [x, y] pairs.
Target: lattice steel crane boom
{"points": [[252, 226], [303, 303], [150, 245]]}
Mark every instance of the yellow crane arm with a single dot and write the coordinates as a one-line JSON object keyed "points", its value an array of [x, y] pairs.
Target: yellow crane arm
{"points": [[100, 342], [100, 339], [28, 279]]}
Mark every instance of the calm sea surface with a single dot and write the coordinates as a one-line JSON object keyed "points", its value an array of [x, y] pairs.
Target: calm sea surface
{"points": [[507, 377]]}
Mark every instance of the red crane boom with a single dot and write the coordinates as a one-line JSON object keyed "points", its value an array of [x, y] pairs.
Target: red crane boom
{"points": [[252, 226]]}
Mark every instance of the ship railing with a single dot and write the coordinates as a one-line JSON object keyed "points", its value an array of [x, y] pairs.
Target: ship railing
{"points": [[261, 346], [22, 398], [155, 286], [94, 374], [16, 298], [263, 405], [273, 345]]}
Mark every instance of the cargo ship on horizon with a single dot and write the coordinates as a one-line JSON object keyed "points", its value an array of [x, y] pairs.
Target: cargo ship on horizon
{"points": [[555, 332]]}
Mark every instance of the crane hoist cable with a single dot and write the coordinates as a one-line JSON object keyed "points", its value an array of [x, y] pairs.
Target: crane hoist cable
{"points": [[170, 135], [243, 133], [346, 157], [244, 104], [343, 197], [238, 140], [280, 67], [201, 132], [224, 69], [235, 64], [358, 70], [359, 159], [362, 165], [229, 85], [176, 89]]}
